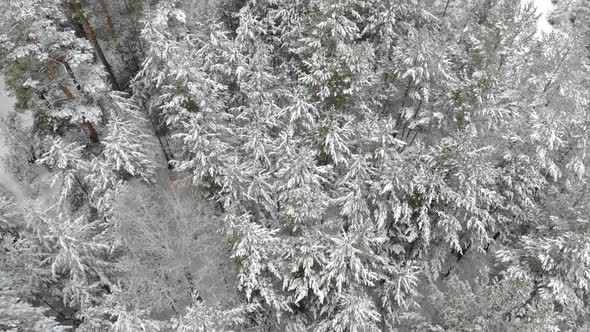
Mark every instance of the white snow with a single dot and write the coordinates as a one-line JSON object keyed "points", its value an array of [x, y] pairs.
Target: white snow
{"points": [[544, 7]]}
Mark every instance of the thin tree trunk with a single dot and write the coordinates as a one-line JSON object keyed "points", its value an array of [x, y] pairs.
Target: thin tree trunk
{"points": [[63, 62], [76, 12], [399, 117], [53, 71], [92, 37], [192, 286], [446, 7], [89, 128], [78, 86], [407, 124], [167, 151], [127, 6]]}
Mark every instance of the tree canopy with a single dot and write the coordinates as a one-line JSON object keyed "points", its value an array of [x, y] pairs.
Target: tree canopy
{"points": [[312, 165]]}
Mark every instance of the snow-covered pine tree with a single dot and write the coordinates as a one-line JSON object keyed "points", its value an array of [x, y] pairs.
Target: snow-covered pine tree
{"points": [[372, 163]]}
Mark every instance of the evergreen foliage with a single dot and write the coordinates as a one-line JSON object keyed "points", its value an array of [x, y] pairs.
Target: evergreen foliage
{"points": [[313, 165]]}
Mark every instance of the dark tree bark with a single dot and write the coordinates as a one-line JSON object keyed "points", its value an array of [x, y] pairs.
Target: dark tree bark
{"points": [[446, 7], [192, 286], [91, 131], [87, 125], [78, 15], [62, 60], [54, 74]]}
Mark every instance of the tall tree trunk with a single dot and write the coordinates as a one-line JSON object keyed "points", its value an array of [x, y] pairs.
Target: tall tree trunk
{"points": [[192, 286], [446, 7], [161, 139], [70, 72], [53, 71], [62, 61], [89, 128], [78, 15]]}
